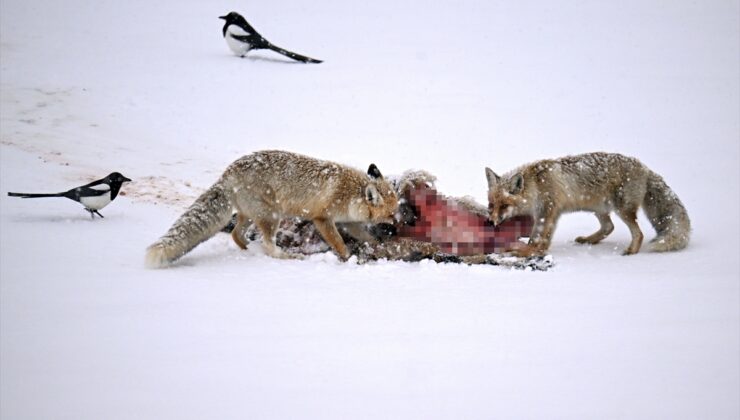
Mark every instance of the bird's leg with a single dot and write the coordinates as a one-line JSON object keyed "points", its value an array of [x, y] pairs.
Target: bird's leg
{"points": [[98, 213], [93, 213]]}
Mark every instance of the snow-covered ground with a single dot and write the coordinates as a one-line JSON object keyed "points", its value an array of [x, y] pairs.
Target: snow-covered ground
{"points": [[150, 89]]}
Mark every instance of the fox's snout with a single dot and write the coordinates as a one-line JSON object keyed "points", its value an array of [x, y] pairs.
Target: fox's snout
{"points": [[499, 211], [493, 215], [496, 216], [389, 219], [495, 220]]}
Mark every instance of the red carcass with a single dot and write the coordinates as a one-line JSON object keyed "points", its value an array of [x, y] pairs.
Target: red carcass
{"points": [[456, 229]]}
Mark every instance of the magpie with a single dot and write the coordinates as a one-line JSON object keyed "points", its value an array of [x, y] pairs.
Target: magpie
{"points": [[242, 37], [94, 196]]}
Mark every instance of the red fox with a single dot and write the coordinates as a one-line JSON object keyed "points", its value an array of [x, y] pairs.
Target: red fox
{"points": [[270, 185], [597, 182]]}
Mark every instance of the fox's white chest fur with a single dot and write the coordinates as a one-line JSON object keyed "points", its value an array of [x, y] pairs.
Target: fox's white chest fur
{"points": [[238, 47]]}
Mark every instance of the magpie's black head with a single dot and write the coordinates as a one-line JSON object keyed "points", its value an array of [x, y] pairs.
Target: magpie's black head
{"points": [[233, 18], [116, 178]]}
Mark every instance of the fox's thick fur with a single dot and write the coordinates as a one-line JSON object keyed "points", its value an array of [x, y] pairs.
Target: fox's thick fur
{"points": [[597, 182], [265, 187]]}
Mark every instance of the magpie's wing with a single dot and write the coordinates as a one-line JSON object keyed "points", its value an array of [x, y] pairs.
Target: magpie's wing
{"points": [[249, 28], [255, 40], [94, 183], [88, 190]]}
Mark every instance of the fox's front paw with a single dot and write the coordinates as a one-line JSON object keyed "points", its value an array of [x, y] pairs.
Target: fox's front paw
{"points": [[525, 250], [343, 256], [292, 256], [630, 251], [276, 252]]}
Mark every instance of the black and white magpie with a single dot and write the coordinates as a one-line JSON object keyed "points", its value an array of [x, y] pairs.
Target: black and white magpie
{"points": [[94, 196], [242, 37]]}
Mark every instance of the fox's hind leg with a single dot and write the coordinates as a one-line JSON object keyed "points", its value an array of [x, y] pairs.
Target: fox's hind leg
{"points": [[239, 232], [268, 227], [606, 228], [328, 231], [629, 217]]}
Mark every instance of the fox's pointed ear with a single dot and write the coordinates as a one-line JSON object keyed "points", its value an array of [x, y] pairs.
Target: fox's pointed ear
{"points": [[373, 196], [374, 172], [492, 178], [517, 184]]}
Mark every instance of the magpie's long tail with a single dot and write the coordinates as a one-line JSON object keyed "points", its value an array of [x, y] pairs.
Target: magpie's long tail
{"points": [[27, 195], [291, 54]]}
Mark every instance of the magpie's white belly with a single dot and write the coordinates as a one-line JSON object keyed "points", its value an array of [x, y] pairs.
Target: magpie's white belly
{"points": [[97, 202], [238, 47]]}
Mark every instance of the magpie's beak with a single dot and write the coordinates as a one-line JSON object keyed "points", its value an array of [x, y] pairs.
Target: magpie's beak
{"points": [[124, 179], [222, 17]]}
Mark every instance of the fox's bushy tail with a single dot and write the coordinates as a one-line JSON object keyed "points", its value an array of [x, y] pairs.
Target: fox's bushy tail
{"points": [[667, 214], [203, 219]]}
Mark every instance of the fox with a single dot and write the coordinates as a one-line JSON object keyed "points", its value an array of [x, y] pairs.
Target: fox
{"points": [[597, 182], [267, 186]]}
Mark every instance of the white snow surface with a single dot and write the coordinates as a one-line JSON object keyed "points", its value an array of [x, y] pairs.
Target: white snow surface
{"points": [[150, 89]]}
